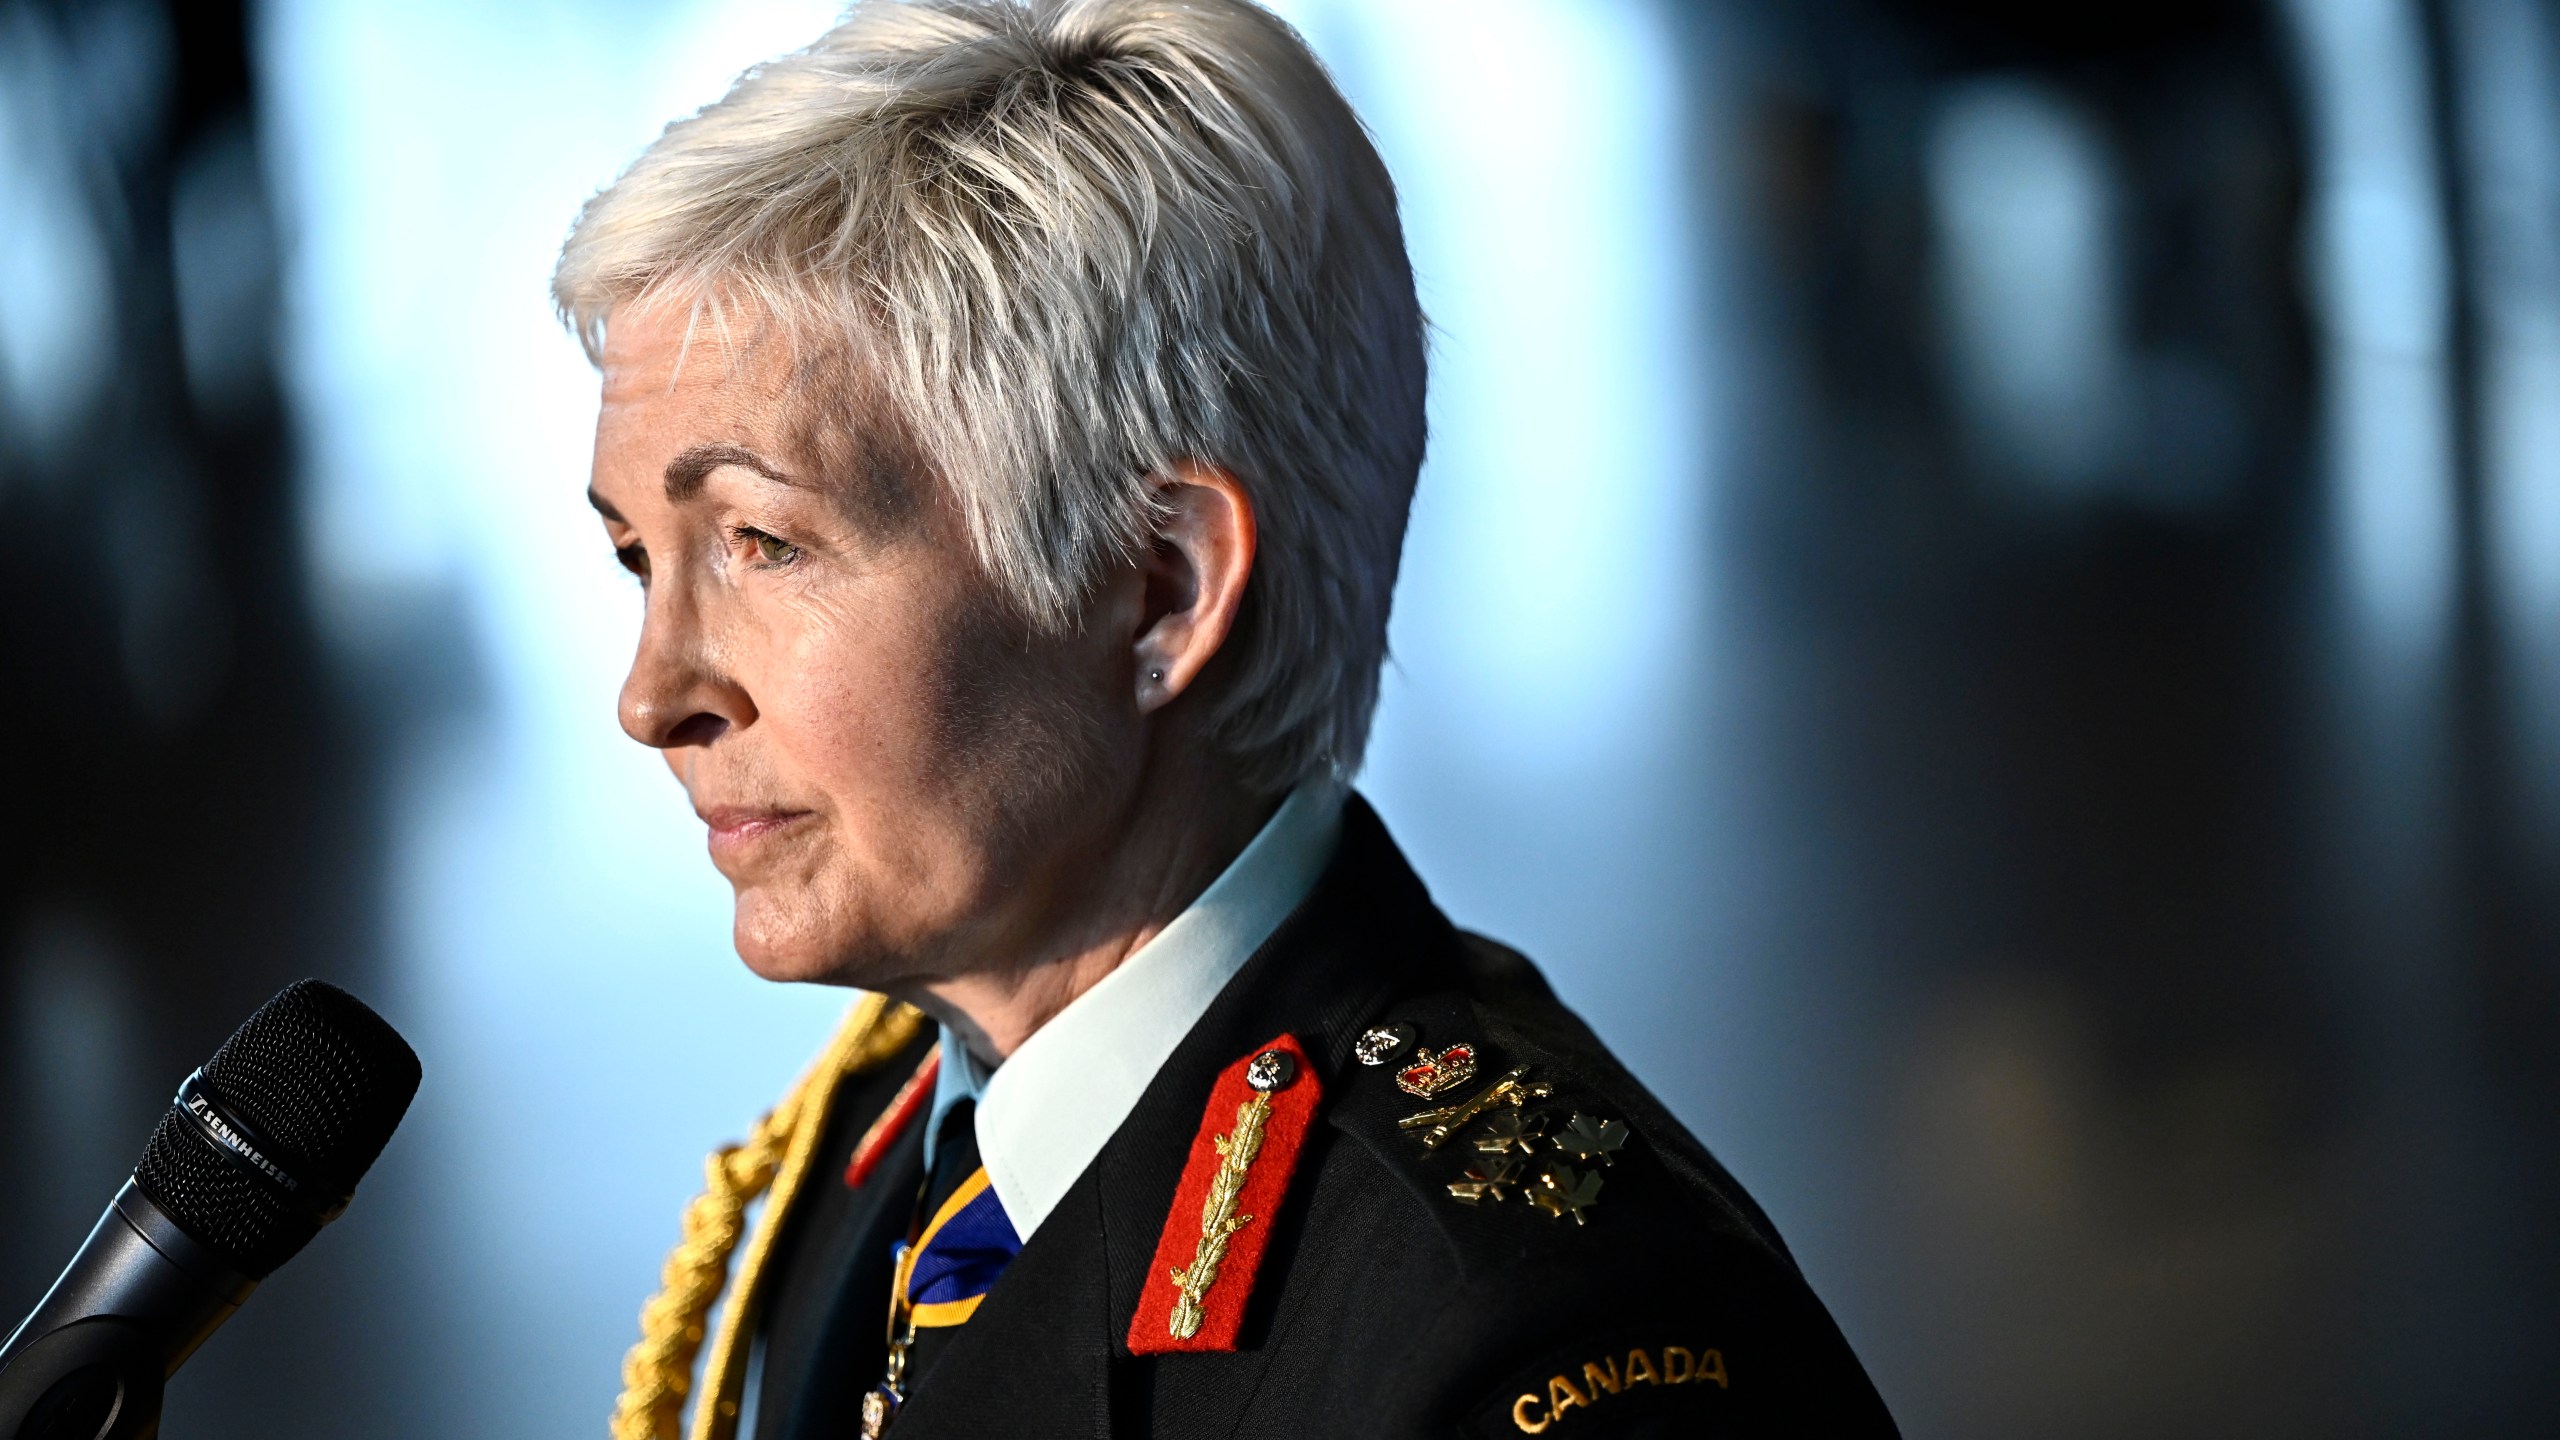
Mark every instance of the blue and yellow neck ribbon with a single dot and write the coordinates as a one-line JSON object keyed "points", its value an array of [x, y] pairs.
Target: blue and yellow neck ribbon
{"points": [[953, 1263]]}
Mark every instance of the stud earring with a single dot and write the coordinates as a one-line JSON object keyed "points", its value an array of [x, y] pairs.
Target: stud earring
{"points": [[1156, 675]]}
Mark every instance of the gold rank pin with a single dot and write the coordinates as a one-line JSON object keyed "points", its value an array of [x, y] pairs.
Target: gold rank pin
{"points": [[1511, 1138], [1438, 1126], [1561, 1192], [1587, 1140], [1491, 1179]]}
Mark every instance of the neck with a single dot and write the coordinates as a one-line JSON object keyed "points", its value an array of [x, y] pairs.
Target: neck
{"points": [[1182, 826]]}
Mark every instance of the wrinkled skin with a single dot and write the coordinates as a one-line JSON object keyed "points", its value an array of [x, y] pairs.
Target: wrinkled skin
{"points": [[908, 787]]}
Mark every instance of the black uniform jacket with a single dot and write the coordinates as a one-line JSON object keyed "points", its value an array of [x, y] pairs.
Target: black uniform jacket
{"points": [[1385, 1306]]}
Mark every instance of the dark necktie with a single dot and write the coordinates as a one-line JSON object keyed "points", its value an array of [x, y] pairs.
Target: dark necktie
{"points": [[962, 1245]]}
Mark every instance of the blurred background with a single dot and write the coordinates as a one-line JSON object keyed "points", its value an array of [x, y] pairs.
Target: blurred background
{"points": [[1987, 599]]}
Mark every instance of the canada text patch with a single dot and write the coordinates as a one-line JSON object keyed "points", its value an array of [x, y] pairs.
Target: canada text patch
{"points": [[1615, 1380]]}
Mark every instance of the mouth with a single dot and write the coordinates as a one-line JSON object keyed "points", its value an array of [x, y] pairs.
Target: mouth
{"points": [[738, 829]]}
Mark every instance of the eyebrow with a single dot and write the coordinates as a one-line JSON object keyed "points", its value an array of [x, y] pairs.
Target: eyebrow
{"points": [[687, 471], [603, 506]]}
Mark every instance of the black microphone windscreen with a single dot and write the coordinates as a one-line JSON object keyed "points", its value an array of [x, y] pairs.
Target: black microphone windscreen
{"points": [[314, 1076]]}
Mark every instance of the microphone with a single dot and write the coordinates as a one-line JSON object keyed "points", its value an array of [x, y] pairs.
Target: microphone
{"points": [[262, 1147]]}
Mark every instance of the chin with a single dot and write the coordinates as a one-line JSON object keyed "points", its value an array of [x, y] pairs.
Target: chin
{"points": [[785, 947], [786, 968]]}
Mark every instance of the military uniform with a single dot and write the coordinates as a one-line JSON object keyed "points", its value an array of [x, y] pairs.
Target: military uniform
{"points": [[1462, 1216]]}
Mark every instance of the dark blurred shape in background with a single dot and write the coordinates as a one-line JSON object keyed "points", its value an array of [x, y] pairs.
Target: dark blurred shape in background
{"points": [[193, 794], [1988, 599]]}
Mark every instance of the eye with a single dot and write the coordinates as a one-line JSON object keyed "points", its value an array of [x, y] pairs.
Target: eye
{"points": [[633, 558], [769, 549]]}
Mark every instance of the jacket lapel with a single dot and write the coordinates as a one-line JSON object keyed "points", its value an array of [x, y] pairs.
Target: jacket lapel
{"points": [[1034, 1360], [823, 1344]]}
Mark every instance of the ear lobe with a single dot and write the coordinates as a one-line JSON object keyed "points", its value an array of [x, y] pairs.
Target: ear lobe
{"points": [[1196, 574]]}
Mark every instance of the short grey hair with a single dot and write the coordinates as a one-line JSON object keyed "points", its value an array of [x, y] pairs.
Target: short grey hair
{"points": [[1071, 242]]}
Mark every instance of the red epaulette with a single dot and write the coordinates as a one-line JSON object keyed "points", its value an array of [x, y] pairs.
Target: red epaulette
{"points": [[1232, 1187]]}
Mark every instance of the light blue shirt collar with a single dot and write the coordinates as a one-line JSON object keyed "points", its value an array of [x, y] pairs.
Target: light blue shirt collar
{"points": [[962, 1077], [1048, 1110]]}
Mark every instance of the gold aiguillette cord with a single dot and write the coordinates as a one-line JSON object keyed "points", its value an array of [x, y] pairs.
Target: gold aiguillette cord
{"points": [[773, 1161]]}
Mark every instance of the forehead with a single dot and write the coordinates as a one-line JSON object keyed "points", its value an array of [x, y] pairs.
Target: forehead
{"points": [[660, 357], [674, 386]]}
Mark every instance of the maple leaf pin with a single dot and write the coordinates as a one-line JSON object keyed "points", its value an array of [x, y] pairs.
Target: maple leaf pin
{"points": [[1487, 1181], [1561, 1192], [1508, 1131], [1586, 1139]]}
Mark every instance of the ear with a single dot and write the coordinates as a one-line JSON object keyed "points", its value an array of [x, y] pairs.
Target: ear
{"points": [[1194, 578]]}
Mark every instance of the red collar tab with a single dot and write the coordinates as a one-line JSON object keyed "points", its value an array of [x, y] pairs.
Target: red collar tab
{"points": [[1223, 1211], [903, 1107]]}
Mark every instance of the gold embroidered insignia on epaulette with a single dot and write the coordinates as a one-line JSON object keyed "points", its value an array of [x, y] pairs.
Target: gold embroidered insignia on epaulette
{"points": [[1218, 1220]]}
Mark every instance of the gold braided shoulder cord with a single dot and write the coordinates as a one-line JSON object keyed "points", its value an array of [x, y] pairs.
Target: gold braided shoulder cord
{"points": [[657, 1375]]}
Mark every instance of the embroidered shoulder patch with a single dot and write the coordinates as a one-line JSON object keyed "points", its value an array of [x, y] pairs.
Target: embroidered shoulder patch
{"points": [[1628, 1377], [1232, 1188]]}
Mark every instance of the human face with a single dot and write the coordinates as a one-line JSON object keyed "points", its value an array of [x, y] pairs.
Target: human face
{"points": [[898, 776]]}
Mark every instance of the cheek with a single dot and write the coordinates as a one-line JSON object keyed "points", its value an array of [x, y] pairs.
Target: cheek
{"points": [[944, 724], [893, 709], [847, 708], [1024, 714]]}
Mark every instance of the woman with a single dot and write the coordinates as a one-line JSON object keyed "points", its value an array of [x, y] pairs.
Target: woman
{"points": [[1011, 414]]}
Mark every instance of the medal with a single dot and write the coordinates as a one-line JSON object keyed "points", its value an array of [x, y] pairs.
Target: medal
{"points": [[879, 1407], [880, 1403]]}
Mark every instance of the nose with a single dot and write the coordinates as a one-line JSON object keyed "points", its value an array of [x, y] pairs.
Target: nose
{"points": [[676, 695]]}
